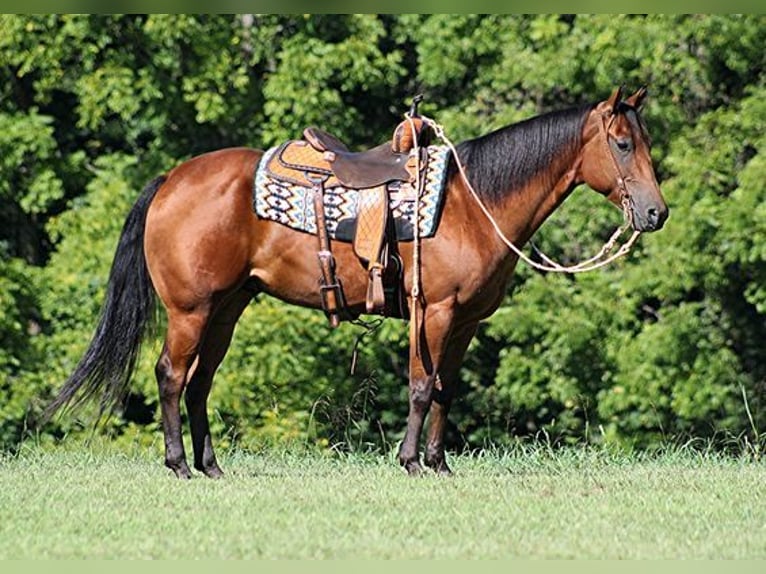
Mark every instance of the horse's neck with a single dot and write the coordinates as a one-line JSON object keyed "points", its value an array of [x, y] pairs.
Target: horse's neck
{"points": [[526, 209]]}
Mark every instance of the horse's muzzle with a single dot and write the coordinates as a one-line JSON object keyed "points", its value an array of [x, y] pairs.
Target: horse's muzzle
{"points": [[649, 218]]}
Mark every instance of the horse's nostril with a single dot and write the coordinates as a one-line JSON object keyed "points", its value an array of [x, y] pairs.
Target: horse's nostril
{"points": [[655, 218], [652, 216]]}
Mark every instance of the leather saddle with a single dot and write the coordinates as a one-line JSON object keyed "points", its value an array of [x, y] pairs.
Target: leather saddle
{"points": [[321, 161], [320, 154], [359, 170]]}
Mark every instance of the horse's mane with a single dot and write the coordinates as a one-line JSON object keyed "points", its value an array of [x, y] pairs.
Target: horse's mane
{"points": [[506, 159]]}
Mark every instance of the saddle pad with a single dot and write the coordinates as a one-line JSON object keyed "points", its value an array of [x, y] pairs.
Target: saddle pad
{"points": [[292, 204]]}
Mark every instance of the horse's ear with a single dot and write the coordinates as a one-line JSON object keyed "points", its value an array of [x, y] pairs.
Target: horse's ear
{"points": [[636, 100], [611, 104]]}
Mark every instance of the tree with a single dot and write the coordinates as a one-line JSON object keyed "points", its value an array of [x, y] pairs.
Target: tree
{"points": [[662, 345]]}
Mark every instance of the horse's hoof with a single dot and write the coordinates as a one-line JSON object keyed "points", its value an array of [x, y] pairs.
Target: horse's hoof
{"points": [[443, 470], [413, 468], [440, 469], [180, 469], [213, 472], [182, 472], [438, 465]]}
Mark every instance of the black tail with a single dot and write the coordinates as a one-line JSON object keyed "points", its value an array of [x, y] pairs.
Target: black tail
{"points": [[106, 367]]}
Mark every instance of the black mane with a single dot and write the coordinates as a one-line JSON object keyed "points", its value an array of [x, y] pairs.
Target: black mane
{"points": [[506, 159]]}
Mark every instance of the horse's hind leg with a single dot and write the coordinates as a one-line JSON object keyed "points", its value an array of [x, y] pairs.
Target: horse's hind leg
{"points": [[211, 353], [181, 344]]}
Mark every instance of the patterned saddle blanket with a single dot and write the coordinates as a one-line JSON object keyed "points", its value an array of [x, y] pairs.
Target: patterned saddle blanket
{"points": [[291, 203]]}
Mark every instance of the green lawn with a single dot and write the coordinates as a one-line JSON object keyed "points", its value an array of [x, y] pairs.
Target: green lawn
{"points": [[530, 503]]}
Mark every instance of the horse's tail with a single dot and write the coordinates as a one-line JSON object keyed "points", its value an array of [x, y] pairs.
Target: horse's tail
{"points": [[106, 367]]}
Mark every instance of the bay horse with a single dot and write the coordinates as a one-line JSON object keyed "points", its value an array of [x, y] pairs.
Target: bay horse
{"points": [[193, 240]]}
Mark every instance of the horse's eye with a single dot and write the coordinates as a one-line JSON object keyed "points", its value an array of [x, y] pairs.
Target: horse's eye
{"points": [[624, 145]]}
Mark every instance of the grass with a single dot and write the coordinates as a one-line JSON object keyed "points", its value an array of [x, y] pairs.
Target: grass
{"points": [[524, 503]]}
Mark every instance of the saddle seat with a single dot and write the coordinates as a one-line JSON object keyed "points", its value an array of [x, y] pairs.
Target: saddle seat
{"points": [[360, 170]]}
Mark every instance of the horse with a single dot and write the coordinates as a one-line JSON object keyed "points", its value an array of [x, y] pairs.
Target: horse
{"points": [[193, 241]]}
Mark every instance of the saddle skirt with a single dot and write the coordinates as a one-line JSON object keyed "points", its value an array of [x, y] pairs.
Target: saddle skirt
{"points": [[285, 195]]}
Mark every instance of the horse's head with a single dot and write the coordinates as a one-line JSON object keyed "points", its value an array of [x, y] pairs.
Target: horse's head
{"points": [[616, 160]]}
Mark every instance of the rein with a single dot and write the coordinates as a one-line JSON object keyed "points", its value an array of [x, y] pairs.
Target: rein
{"points": [[595, 262]]}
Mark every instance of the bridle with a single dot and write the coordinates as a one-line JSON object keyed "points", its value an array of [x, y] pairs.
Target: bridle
{"points": [[625, 199]]}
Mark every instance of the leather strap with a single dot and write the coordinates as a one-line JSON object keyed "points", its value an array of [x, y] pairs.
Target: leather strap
{"points": [[376, 296], [330, 289]]}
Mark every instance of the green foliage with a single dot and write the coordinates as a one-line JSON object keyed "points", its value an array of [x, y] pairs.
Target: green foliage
{"points": [[326, 83], [32, 186], [27, 146], [19, 352], [676, 376], [664, 345], [554, 356]]}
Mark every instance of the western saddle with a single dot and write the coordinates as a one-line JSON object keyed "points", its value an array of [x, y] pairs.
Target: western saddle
{"points": [[322, 161]]}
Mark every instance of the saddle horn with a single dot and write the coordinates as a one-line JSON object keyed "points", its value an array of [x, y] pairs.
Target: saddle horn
{"points": [[414, 106]]}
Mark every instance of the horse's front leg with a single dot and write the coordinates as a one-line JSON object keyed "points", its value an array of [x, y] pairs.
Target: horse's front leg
{"points": [[443, 395], [425, 355]]}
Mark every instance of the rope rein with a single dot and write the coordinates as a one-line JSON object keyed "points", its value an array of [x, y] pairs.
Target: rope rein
{"points": [[595, 262]]}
